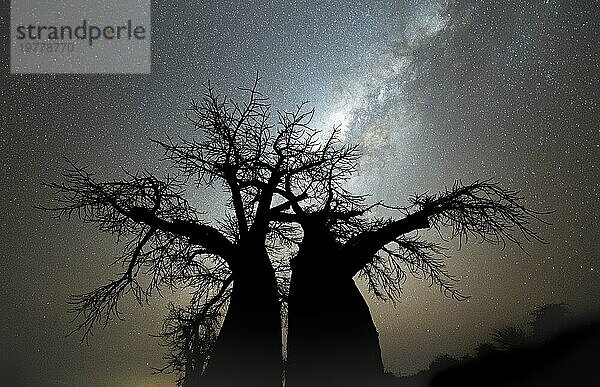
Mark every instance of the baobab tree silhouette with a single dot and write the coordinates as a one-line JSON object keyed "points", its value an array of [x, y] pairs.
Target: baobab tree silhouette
{"points": [[285, 183], [332, 339], [168, 244]]}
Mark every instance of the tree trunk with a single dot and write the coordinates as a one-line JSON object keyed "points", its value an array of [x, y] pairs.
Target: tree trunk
{"points": [[248, 351], [332, 340]]}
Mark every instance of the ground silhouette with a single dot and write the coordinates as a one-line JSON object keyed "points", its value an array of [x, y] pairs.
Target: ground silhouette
{"points": [[568, 358], [558, 351]]}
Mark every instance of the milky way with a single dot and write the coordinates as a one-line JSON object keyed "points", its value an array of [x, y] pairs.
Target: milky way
{"points": [[376, 109]]}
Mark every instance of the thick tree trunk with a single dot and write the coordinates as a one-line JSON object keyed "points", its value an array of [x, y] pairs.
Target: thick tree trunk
{"points": [[248, 351], [332, 340]]}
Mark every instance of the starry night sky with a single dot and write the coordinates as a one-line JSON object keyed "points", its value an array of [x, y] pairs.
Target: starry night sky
{"points": [[432, 90]]}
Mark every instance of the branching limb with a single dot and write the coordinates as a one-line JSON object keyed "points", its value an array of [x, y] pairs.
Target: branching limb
{"points": [[482, 210]]}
